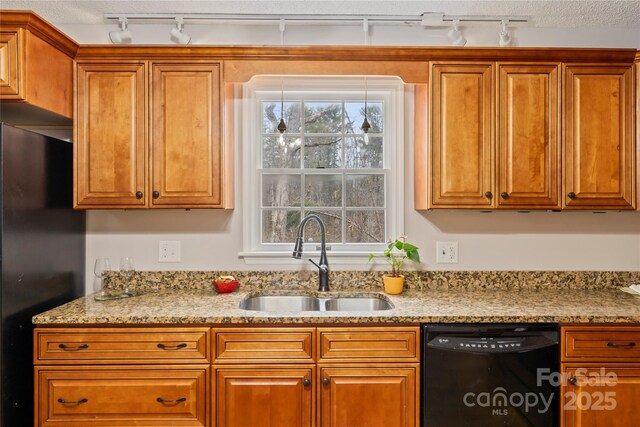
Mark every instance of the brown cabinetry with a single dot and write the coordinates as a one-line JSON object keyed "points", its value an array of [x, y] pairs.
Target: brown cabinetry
{"points": [[122, 376], [494, 136], [176, 163], [462, 146], [36, 69], [600, 376], [110, 135], [599, 163]]}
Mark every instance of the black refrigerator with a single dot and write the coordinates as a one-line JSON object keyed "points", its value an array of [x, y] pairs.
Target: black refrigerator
{"points": [[42, 254]]}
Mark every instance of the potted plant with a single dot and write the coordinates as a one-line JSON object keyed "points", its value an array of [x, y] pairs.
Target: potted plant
{"points": [[396, 254]]}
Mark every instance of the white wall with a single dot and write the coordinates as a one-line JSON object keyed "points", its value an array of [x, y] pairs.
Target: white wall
{"points": [[211, 239]]}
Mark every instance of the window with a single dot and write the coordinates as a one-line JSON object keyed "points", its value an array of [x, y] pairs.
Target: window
{"points": [[324, 164]]}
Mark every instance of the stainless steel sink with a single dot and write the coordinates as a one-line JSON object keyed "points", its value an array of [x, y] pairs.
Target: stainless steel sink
{"points": [[281, 303], [357, 304], [310, 303]]}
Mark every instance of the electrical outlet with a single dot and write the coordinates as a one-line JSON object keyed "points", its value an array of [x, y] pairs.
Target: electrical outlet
{"points": [[169, 251], [447, 252]]}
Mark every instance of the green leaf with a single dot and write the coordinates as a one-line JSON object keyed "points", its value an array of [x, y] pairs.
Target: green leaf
{"points": [[370, 257], [413, 255]]}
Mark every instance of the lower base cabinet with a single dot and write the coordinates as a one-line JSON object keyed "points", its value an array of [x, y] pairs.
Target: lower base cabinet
{"points": [[118, 396], [264, 396], [368, 396], [600, 381]]}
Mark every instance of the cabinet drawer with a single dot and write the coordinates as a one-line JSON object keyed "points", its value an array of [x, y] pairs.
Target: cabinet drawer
{"points": [[125, 345], [117, 396], [380, 344], [264, 345], [603, 344]]}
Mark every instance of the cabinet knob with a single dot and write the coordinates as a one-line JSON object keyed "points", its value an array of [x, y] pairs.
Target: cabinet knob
{"points": [[325, 381], [631, 344], [306, 382], [155, 194], [572, 195], [488, 195], [139, 194], [504, 195], [573, 380]]}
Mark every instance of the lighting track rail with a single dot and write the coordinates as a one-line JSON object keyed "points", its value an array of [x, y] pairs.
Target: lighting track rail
{"points": [[426, 19]]}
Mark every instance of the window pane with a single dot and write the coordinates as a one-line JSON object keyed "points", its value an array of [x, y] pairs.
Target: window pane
{"points": [[364, 191], [360, 154], [281, 190], [276, 155], [365, 226], [323, 191], [354, 116], [332, 220], [323, 117], [322, 152], [271, 116], [279, 226]]}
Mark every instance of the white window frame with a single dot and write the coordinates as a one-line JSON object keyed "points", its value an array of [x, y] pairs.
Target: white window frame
{"points": [[319, 88]]}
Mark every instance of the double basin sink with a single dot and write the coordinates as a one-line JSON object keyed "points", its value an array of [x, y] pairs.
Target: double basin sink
{"points": [[315, 303]]}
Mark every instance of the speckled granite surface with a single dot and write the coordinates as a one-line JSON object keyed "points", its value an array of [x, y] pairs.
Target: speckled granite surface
{"points": [[372, 280], [604, 305]]}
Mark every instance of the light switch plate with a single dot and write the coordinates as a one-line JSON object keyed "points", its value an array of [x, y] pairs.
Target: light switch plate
{"points": [[446, 252], [169, 251]]}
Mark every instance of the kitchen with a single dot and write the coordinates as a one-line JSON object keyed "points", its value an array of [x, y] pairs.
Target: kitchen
{"points": [[491, 244]]}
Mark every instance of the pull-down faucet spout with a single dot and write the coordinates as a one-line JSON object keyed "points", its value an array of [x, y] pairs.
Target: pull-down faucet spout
{"points": [[323, 264]]}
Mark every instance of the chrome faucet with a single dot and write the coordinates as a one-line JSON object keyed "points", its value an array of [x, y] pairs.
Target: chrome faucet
{"points": [[323, 264]]}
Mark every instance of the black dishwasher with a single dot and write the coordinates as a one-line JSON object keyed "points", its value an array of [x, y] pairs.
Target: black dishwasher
{"points": [[489, 375]]}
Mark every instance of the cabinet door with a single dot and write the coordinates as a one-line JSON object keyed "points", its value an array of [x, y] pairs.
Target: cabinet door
{"points": [[10, 66], [601, 396], [461, 135], [264, 396], [599, 145], [109, 132], [528, 137], [121, 396], [185, 135], [368, 397]]}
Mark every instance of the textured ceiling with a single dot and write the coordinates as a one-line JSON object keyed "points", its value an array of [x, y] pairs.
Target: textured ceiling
{"points": [[544, 13]]}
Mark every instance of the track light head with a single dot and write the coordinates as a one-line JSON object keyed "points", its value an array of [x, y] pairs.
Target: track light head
{"points": [[457, 39], [505, 34], [123, 36], [178, 35]]}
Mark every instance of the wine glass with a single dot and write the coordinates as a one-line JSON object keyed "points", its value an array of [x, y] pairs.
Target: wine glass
{"points": [[100, 268], [127, 268]]}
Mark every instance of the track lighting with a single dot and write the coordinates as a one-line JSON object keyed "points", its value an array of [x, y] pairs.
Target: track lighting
{"points": [[457, 39], [123, 36], [505, 34], [178, 35]]}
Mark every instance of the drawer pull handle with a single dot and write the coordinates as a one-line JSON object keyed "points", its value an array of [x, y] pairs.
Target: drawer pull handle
{"points": [[325, 381], [629, 345], [73, 347], [573, 380], [172, 347], [306, 382], [73, 402], [171, 402]]}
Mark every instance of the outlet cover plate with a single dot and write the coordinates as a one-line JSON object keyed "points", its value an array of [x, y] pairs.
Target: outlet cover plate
{"points": [[169, 251], [446, 252]]}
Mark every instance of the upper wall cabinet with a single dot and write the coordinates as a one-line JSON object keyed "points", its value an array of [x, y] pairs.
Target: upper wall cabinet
{"points": [[599, 149], [109, 134], [36, 68], [177, 163], [528, 145], [474, 166], [462, 148]]}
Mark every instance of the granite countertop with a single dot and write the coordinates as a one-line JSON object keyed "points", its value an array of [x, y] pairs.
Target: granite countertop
{"points": [[607, 305]]}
